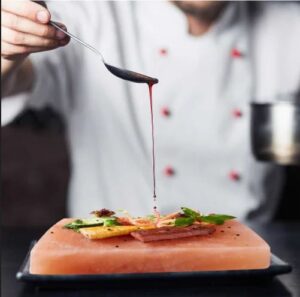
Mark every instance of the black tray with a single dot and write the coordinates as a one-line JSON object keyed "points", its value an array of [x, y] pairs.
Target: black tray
{"points": [[277, 267]]}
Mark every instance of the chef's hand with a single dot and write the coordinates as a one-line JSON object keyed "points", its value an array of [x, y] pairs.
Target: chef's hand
{"points": [[25, 29]]}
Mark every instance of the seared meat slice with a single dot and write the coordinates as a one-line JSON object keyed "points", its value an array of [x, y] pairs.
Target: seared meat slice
{"points": [[167, 233]]}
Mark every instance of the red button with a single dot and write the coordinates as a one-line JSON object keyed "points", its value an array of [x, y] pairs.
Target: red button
{"points": [[235, 53], [237, 113], [165, 111], [169, 171], [234, 175], [163, 52]]}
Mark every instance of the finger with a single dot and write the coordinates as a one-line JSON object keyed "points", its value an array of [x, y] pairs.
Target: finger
{"points": [[24, 25], [27, 9], [19, 38], [11, 51]]}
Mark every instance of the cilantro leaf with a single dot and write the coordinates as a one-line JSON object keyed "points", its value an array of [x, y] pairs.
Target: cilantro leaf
{"points": [[184, 221], [217, 219]]}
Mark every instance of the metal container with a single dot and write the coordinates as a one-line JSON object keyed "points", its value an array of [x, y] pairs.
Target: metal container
{"points": [[275, 132]]}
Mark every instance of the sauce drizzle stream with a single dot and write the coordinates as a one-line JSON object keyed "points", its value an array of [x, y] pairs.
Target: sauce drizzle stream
{"points": [[153, 146]]}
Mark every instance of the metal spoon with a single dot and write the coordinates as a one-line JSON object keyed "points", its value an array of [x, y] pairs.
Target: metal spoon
{"points": [[121, 73]]}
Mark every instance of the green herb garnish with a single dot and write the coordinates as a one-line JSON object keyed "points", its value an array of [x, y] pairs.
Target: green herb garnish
{"points": [[183, 221], [190, 216], [110, 222], [188, 212], [217, 219], [92, 222]]}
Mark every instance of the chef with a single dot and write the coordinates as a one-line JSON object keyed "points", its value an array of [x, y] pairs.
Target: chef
{"points": [[212, 60]]}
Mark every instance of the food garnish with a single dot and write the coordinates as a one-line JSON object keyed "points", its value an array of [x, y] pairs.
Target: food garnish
{"points": [[92, 222], [191, 216], [103, 213], [180, 224]]}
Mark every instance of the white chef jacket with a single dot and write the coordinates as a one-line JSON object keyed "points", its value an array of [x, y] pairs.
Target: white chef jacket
{"points": [[201, 104]]}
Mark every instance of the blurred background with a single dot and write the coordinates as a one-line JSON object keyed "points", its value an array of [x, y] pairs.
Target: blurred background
{"points": [[35, 172], [35, 169]]}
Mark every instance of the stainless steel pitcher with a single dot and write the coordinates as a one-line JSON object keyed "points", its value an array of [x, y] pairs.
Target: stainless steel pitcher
{"points": [[275, 131]]}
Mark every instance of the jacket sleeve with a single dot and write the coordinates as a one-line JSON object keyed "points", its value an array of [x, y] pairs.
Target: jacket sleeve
{"points": [[51, 80]]}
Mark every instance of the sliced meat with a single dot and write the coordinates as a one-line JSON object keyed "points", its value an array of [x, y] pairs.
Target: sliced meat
{"points": [[167, 233]]}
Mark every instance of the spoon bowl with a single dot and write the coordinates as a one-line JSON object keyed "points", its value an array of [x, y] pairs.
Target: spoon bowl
{"points": [[131, 75]]}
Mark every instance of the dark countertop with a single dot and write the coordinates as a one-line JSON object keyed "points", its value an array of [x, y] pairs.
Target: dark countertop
{"points": [[284, 239]]}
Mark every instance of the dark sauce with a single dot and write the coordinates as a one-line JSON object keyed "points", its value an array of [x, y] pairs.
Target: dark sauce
{"points": [[150, 85]]}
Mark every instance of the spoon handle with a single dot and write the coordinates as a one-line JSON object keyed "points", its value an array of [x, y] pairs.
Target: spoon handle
{"points": [[54, 24]]}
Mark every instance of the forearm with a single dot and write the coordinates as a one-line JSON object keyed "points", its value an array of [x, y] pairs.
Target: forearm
{"points": [[16, 79]]}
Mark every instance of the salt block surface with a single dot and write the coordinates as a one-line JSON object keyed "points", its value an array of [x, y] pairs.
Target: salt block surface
{"points": [[233, 246]]}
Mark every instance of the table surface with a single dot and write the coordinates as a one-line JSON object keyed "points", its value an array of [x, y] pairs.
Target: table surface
{"points": [[284, 239]]}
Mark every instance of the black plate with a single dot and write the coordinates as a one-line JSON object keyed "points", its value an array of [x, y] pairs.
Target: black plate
{"points": [[277, 267]]}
